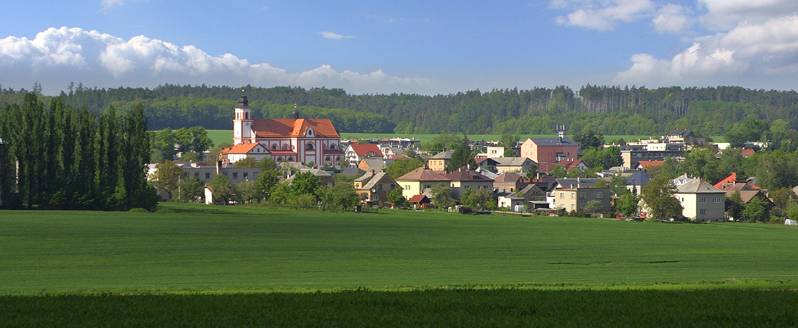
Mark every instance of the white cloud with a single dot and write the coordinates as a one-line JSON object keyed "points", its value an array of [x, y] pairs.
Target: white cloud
{"points": [[765, 50], [671, 18], [58, 56], [726, 14], [334, 36], [107, 5], [602, 15]]}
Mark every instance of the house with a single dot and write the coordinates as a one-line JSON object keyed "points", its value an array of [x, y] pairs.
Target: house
{"points": [[530, 197], [419, 201], [486, 164], [576, 164], [508, 183], [491, 152], [238, 152], [358, 151], [637, 181], [422, 180], [389, 152], [372, 163], [206, 173], [373, 187], [439, 161], [520, 165], [547, 152], [582, 197], [747, 152], [747, 195], [700, 201], [633, 155], [313, 142]]}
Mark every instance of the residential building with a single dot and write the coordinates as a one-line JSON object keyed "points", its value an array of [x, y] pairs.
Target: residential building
{"points": [[519, 165], [700, 201], [439, 161], [528, 198], [313, 142], [492, 152], [486, 164], [508, 183], [389, 152], [373, 187], [547, 152], [373, 164], [419, 201], [422, 180], [358, 151], [633, 155], [637, 181], [238, 152], [582, 198]]}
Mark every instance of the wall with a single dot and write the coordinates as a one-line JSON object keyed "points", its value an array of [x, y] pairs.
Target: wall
{"points": [[437, 164]]}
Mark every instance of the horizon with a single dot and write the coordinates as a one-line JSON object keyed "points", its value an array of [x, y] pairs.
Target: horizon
{"points": [[413, 48]]}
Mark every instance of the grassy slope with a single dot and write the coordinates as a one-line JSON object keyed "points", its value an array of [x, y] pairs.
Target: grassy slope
{"points": [[225, 249]]}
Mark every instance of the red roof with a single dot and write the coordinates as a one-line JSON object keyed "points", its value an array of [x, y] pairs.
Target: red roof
{"points": [[747, 152], [243, 148], [294, 128], [366, 150], [417, 199], [570, 165], [732, 178], [651, 164]]}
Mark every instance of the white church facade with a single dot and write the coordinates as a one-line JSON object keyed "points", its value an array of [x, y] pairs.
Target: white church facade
{"points": [[312, 142]]}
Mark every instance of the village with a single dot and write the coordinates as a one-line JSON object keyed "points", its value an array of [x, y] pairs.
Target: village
{"points": [[535, 176]]}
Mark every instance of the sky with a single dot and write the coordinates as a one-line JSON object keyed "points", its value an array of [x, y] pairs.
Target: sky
{"points": [[408, 46]]}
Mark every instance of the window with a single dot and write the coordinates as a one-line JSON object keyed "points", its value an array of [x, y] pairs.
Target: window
{"points": [[207, 176], [246, 175], [274, 146], [309, 146], [235, 175], [702, 211], [246, 115]]}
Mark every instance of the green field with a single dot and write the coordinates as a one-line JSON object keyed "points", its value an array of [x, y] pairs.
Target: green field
{"points": [[197, 261]]}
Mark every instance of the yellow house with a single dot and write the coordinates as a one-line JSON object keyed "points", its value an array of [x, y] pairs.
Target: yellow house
{"points": [[423, 180], [439, 161]]}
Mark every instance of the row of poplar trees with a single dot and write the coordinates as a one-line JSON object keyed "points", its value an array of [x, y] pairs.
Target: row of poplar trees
{"points": [[58, 157]]}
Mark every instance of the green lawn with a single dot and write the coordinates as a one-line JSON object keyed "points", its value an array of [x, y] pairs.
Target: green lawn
{"points": [[195, 265], [193, 247]]}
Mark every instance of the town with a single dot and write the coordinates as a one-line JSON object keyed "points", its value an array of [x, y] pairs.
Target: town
{"points": [[541, 176]]}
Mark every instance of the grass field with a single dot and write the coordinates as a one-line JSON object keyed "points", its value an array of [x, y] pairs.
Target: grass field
{"points": [[210, 263]]}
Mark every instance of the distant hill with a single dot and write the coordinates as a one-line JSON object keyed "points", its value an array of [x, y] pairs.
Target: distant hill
{"points": [[609, 110]]}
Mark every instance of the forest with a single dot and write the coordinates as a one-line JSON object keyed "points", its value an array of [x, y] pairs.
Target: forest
{"points": [[603, 109]]}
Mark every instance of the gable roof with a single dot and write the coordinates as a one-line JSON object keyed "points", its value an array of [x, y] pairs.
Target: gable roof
{"points": [[443, 155], [294, 127], [372, 179], [651, 164], [419, 199], [730, 179], [507, 178], [697, 186], [638, 178], [526, 191], [373, 163], [424, 174], [511, 161], [363, 150], [244, 148], [463, 174], [745, 195], [571, 183]]}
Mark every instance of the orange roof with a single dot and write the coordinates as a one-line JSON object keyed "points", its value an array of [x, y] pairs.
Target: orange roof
{"points": [[747, 152], [243, 148], [363, 150], [417, 199], [293, 128], [732, 178], [651, 164]]}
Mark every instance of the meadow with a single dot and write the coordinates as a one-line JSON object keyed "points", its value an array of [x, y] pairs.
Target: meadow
{"points": [[253, 265]]}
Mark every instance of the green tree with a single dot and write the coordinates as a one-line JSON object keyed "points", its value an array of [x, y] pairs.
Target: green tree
{"points": [[442, 197], [191, 189], [792, 211], [658, 196], [265, 184], [480, 199], [401, 167], [627, 204], [248, 162], [339, 197], [247, 192], [755, 211], [734, 206], [589, 140], [305, 183], [167, 177], [222, 188], [396, 198], [164, 142], [509, 141], [462, 156]]}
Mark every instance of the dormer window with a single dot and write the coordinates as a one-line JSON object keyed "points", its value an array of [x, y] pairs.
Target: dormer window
{"points": [[310, 133]]}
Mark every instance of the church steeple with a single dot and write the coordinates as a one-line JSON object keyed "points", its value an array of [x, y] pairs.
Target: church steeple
{"points": [[242, 121]]}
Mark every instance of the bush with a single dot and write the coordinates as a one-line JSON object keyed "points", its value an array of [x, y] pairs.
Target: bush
{"points": [[303, 201], [776, 220]]}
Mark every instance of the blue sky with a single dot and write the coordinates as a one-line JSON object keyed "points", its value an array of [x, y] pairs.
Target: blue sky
{"points": [[402, 46]]}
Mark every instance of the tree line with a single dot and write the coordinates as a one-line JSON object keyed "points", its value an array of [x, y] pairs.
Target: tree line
{"points": [[606, 109], [58, 157]]}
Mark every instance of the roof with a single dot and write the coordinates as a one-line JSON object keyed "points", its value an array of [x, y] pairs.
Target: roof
{"points": [[511, 161], [638, 178], [747, 152], [374, 163], [651, 164], [423, 174], [507, 178], [443, 155], [366, 150], [570, 183], [570, 164], [697, 186], [463, 174], [243, 148], [530, 189], [294, 127], [372, 178], [745, 195], [479, 161], [553, 142], [730, 179], [418, 199]]}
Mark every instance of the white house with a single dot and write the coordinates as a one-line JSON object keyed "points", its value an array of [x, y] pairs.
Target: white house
{"points": [[701, 201]]}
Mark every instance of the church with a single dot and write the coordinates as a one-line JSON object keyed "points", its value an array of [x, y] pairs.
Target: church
{"points": [[312, 142]]}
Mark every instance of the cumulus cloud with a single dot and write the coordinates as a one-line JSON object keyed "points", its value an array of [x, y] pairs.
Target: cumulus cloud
{"points": [[334, 36], [602, 15], [671, 18], [58, 56], [726, 14], [749, 50]]}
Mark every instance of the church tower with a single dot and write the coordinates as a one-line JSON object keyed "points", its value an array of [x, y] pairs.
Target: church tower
{"points": [[242, 122]]}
